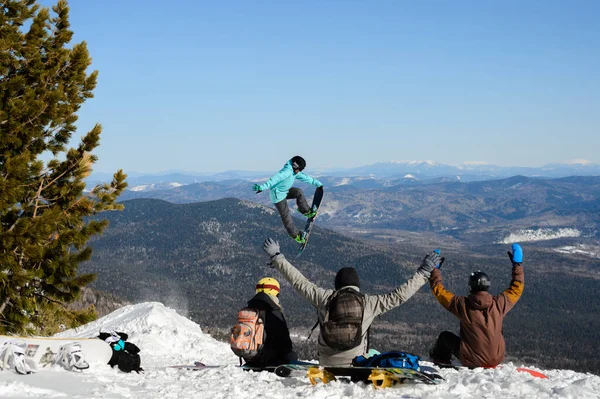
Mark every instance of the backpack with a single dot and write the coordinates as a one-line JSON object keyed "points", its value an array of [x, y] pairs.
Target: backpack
{"points": [[389, 359], [341, 328], [248, 334], [129, 362]]}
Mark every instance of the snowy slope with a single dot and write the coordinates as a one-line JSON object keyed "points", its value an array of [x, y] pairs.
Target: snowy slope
{"points": [[168, 338]]}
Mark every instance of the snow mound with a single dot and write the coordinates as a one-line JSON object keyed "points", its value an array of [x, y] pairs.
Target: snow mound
{"points": [[161, 333], [592, 251]]}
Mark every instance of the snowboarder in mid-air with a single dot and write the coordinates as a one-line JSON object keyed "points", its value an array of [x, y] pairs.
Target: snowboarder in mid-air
{"points": [[280, 190], [481, 342]]}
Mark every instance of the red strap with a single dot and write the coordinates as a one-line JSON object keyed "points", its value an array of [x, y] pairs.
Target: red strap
{"points": [[267, 286]]}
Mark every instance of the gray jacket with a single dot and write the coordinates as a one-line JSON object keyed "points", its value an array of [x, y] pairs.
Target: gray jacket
{"points": [[374, 306]]}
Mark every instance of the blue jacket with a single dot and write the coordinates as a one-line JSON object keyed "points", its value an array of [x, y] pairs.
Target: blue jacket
{"points": [[280, 184]]}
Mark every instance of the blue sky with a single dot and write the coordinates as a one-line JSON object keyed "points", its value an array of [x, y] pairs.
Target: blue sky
{"points": [[209, 86]]}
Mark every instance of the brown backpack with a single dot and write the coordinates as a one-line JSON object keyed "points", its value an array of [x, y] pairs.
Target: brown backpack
{"points": [[341, 328]]}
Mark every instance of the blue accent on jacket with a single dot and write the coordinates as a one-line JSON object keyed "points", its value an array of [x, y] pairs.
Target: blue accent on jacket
{"points": [[279, 185]]}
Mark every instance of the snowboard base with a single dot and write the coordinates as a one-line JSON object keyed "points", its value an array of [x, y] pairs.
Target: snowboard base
{"points": [[310, 222]]}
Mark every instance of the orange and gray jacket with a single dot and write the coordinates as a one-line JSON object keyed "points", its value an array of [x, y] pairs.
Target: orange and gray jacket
{"points": [[480, 314]]}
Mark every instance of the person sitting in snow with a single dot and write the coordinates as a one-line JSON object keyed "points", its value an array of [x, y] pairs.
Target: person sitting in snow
{"points": [[481, 343], [277, 347], [125, 355], [280, 190], [345, 314]]}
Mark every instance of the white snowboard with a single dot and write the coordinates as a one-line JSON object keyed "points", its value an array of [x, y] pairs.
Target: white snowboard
{"points": [[42, 350]]}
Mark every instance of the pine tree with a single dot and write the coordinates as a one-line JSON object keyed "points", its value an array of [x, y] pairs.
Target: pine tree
{"points": [[45, 214]]}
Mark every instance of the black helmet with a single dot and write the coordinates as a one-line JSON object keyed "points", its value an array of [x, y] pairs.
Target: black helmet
{"points": [[479, 281], [298, 163]]}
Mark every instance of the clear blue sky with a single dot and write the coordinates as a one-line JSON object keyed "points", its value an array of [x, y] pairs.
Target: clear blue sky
{"points": [[216, 85]]}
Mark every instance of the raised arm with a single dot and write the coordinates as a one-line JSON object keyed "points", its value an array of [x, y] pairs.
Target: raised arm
{"points": [[446, 298], [314, 294], [511, 295], [308, 179], [382, 303]]}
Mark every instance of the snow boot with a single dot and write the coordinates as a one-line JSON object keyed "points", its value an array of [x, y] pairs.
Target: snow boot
{"points": [[301, 238], [311, 213]]}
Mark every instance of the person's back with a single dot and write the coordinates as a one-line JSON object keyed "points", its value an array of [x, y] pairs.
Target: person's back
{"points": [[481, 342], [347, 279], [277, 348]]}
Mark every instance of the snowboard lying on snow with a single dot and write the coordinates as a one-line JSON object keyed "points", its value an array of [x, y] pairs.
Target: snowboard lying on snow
{"points": [[43, 350], [381, 377]]}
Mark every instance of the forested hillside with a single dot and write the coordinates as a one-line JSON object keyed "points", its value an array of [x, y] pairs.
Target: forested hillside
{"points": [[205, 258]]}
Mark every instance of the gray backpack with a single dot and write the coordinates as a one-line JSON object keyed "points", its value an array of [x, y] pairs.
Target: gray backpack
{"points": [[341, 328]]}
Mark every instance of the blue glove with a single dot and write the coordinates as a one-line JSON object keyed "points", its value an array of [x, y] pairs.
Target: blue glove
{"points": [[437, 251], [516, 255], [256, 188]]}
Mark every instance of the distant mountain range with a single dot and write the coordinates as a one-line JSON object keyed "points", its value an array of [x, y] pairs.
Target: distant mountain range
{"points": [[482, 211], [381, 172]]}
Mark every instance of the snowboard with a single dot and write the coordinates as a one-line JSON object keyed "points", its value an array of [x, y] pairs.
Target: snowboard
{"points": [[195, 366], [381, 377], [42, 350], [201, 366], [533, 373], [316, 203]]}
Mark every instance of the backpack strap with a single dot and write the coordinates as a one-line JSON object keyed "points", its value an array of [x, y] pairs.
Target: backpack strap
{"points": [[313, 329]]}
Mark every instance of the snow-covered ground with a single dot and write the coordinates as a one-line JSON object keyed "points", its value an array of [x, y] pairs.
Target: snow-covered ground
{"points": [[540, 235], [592, 251], [167, 338]]}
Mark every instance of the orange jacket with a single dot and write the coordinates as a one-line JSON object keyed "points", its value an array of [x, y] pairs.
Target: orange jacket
{"points": [[480, 314]]}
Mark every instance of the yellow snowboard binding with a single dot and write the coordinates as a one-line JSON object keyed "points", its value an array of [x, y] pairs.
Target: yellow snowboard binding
{"points": [[383, 379], [316, 374]]}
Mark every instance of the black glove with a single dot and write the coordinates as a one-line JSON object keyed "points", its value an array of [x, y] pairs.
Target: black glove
{"points": [[271, 247], [516, 255], [430, 262]]}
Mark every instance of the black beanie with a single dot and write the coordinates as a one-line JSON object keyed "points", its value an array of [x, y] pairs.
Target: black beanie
{"points": [[345, 277]]}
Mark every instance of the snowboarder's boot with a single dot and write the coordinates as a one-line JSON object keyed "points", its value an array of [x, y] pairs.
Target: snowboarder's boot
{"points": [[311, 213], [301, 238]]}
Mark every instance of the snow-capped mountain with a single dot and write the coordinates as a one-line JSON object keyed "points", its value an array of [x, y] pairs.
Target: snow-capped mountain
{"points": [[166, 338], [422, 170]]}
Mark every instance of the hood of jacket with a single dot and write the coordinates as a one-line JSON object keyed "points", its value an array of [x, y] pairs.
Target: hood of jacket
{"points": [[264, 301], [480, 300]]}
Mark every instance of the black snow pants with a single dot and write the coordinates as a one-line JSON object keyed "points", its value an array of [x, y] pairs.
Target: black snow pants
{"points": [[447, 344]]}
